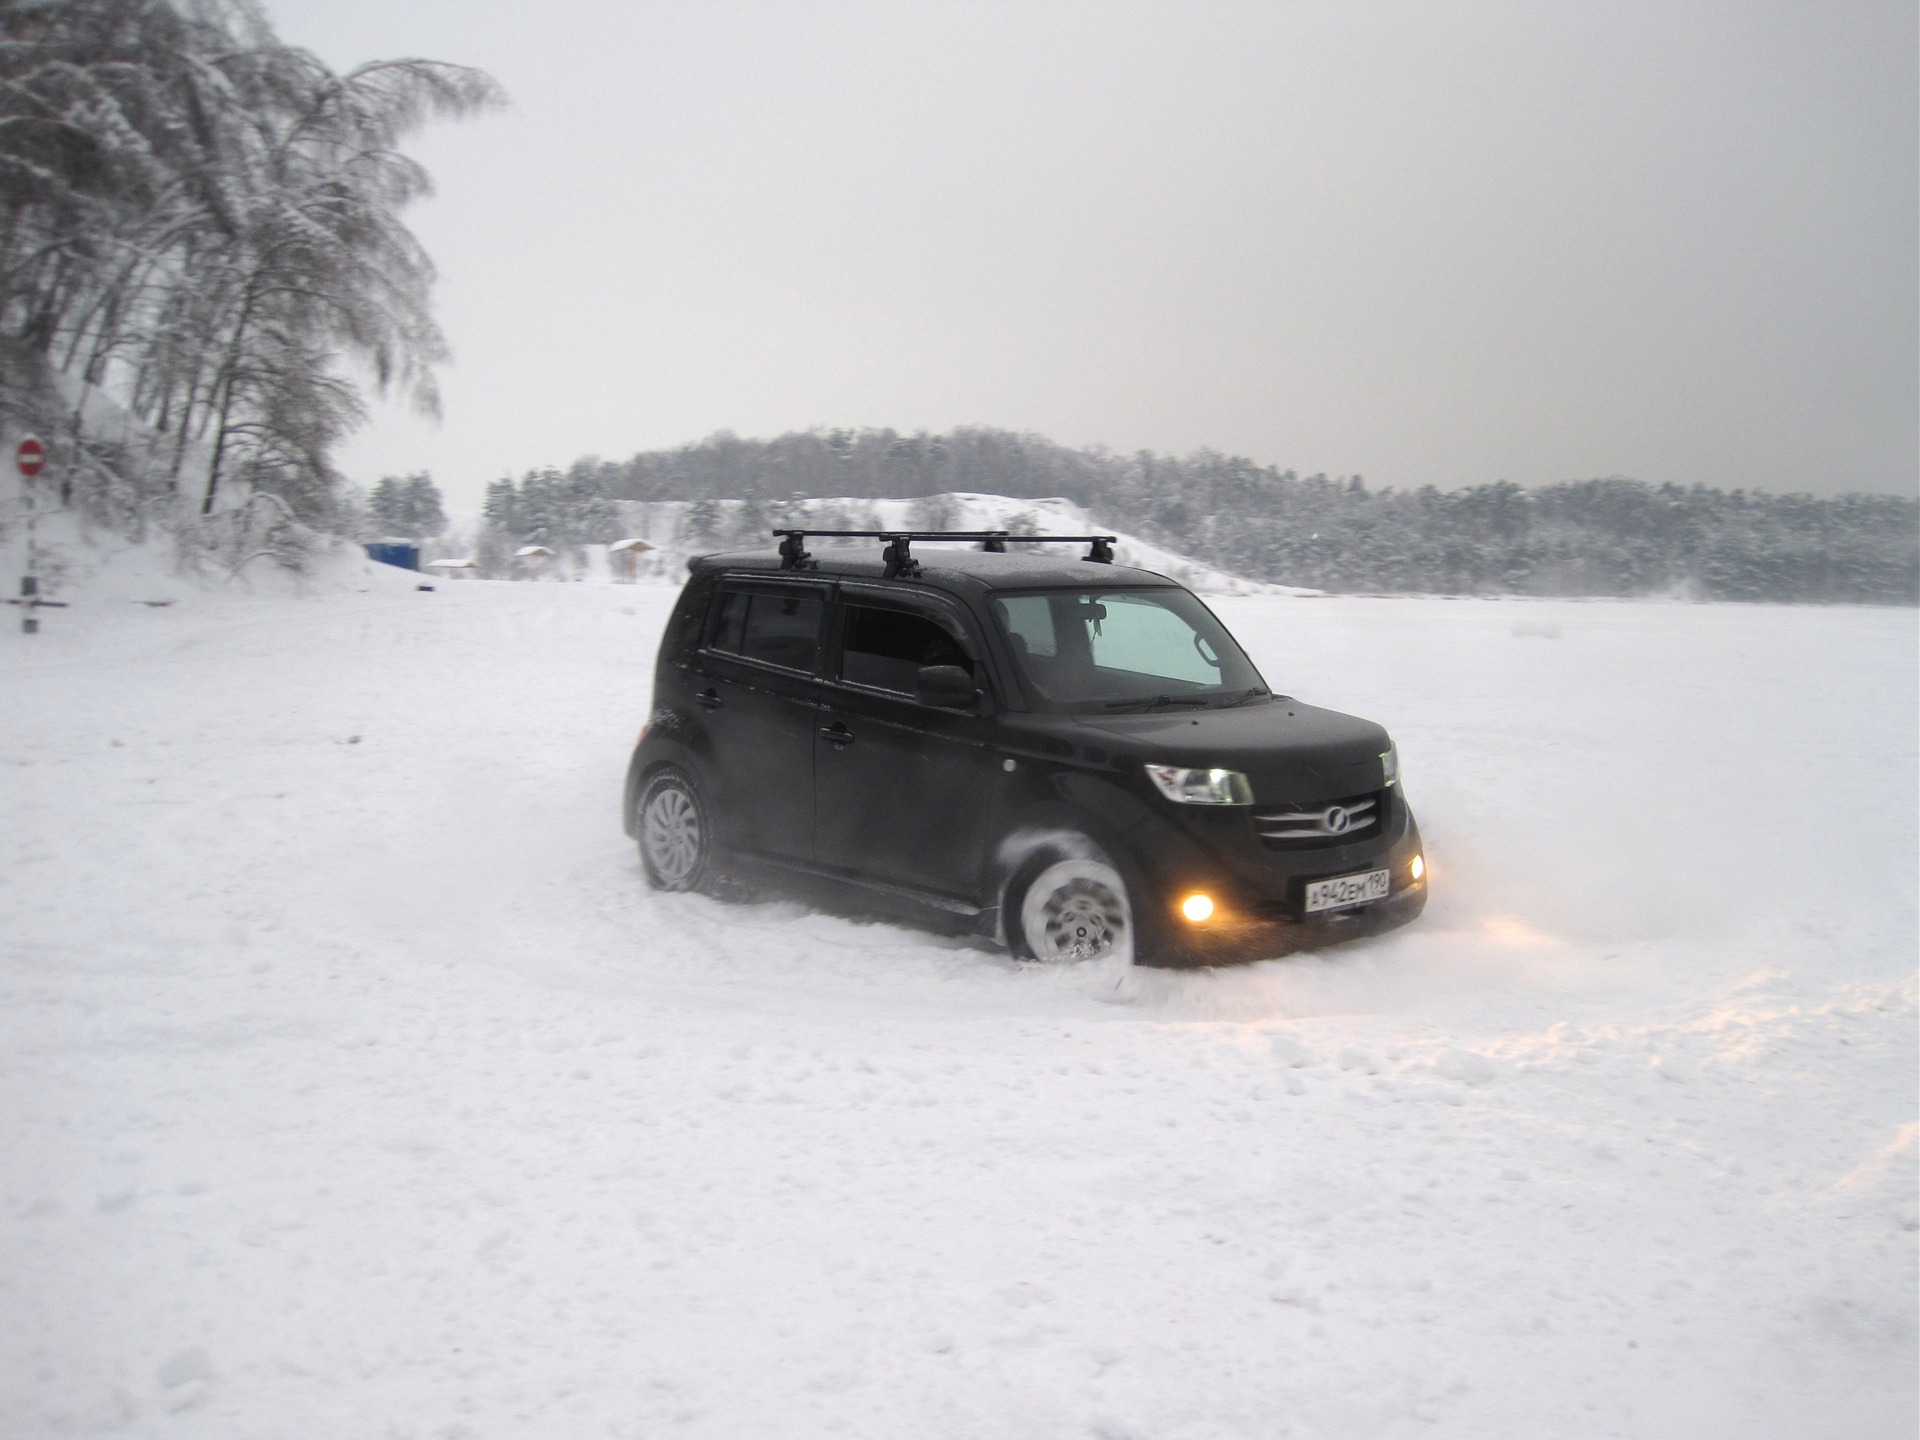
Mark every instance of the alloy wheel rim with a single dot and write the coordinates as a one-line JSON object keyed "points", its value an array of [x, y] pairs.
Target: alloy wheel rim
{"points": [[671, 831], [1081, 920]]}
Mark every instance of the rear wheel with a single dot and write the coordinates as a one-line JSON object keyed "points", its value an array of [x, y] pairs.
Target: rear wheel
{"points": [[1074, 908], [672, 830]]}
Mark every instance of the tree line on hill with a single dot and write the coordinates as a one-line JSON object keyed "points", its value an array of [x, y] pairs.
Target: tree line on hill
{"points": [[1611, 536]]}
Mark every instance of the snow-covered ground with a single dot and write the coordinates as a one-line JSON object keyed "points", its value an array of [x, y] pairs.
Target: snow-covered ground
{"points": [[352, 1084]]}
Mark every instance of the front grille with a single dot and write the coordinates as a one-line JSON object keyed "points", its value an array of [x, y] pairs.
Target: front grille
{"points": [[1324, 823]]}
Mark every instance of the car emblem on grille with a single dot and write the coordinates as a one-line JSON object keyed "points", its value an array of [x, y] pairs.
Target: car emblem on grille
{"points": [[1336, 819]]}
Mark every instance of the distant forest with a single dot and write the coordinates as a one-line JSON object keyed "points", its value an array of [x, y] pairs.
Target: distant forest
{"points": [[1610, 536]]}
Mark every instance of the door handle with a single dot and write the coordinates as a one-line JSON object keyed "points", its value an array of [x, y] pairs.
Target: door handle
{"points": [[709, 698], [838, 734]]}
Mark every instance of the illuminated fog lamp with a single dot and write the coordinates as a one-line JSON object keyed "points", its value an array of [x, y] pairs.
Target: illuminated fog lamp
{"points": [[1197, 908], [1418, 867]]}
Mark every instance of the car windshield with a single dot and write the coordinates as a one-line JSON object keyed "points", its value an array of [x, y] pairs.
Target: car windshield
{"points": [[1124, 650]]}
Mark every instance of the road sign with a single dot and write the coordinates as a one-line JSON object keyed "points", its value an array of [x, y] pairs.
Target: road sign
{"points": [[30, 456]]}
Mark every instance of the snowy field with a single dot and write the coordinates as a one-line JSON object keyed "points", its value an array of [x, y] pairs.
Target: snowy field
{"points": [[353, 1085]]}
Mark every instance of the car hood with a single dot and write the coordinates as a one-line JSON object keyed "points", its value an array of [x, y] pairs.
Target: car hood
{"points": [[1290, 752]]}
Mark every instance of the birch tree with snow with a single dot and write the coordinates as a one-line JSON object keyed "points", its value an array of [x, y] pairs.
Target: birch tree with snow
{"points": [[203, 226]]}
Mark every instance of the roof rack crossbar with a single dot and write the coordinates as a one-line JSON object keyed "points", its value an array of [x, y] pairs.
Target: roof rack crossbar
{"points": [[898, 556]]}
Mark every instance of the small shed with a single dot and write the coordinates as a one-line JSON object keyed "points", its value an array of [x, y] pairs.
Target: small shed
{"points": [[625, 557], [454, 569], [403, 553], [533, 558]]}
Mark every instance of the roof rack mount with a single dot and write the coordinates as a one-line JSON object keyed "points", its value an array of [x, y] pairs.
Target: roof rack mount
{"points": [[898, 552]]}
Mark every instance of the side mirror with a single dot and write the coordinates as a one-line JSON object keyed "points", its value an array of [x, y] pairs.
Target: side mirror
{"points": [[947, 686]]}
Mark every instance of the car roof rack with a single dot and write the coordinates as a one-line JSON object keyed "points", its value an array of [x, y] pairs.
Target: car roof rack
{"points": [[898, 555]]}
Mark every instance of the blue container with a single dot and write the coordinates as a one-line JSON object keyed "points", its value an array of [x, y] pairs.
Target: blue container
{"points": [[403, 553]]}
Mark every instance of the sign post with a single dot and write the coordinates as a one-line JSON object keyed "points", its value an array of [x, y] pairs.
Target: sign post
{"points": [[30, 459]]}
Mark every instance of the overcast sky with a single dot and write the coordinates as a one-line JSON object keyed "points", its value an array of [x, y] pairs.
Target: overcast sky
{"points": [[1431, 243]]}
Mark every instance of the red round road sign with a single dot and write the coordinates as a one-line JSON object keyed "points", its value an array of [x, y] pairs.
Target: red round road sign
{"points": [[30, 457]]}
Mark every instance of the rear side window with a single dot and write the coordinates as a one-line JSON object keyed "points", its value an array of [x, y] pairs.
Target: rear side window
{"points": [[775, 627], [886, 648]]}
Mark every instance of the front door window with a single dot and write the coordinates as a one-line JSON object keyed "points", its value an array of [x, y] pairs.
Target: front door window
{"points": [[885, 649]]}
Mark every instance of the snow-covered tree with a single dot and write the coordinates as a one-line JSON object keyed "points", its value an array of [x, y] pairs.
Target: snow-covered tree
{"points": [[409, 505], [204, 225]]}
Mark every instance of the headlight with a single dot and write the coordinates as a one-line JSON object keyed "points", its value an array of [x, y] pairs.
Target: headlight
{"points": [[1201, 787], [1390, 763]]}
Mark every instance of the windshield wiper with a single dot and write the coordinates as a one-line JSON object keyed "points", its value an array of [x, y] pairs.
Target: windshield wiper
{"points": [[1150, 701], [1258, 692]]}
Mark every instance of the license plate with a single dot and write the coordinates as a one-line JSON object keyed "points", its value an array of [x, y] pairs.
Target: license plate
{"points": [[1345, 890]]}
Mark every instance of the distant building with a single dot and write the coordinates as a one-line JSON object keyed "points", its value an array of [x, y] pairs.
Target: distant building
{"points": [[403, 553], [624, 556], [533, 560]]}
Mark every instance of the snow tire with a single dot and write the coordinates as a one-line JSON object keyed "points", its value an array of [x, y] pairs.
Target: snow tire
{"points": [[670, 824]]}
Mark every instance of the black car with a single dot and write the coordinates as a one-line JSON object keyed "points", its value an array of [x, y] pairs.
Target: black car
{"points": [[1068, 754]]}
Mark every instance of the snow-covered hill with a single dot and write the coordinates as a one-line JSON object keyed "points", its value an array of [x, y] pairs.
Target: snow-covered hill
{"points": [[666, 525]]}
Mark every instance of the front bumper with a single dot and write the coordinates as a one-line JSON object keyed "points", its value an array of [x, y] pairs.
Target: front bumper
{"points": [[1240, 938], [1259, 894]]}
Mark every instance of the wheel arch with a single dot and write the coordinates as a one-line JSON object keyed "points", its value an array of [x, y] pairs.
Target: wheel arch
{"points": [[649, 757]]}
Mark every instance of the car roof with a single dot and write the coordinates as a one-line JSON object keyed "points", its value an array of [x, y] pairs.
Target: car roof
{"points": [[945, 568]]}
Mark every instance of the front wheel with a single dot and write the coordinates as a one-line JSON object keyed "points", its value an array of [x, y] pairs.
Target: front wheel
{"points": [[672, 830], [1075, 909]]}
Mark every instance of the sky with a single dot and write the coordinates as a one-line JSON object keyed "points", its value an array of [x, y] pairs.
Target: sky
{"points": [[1427, 243]]}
